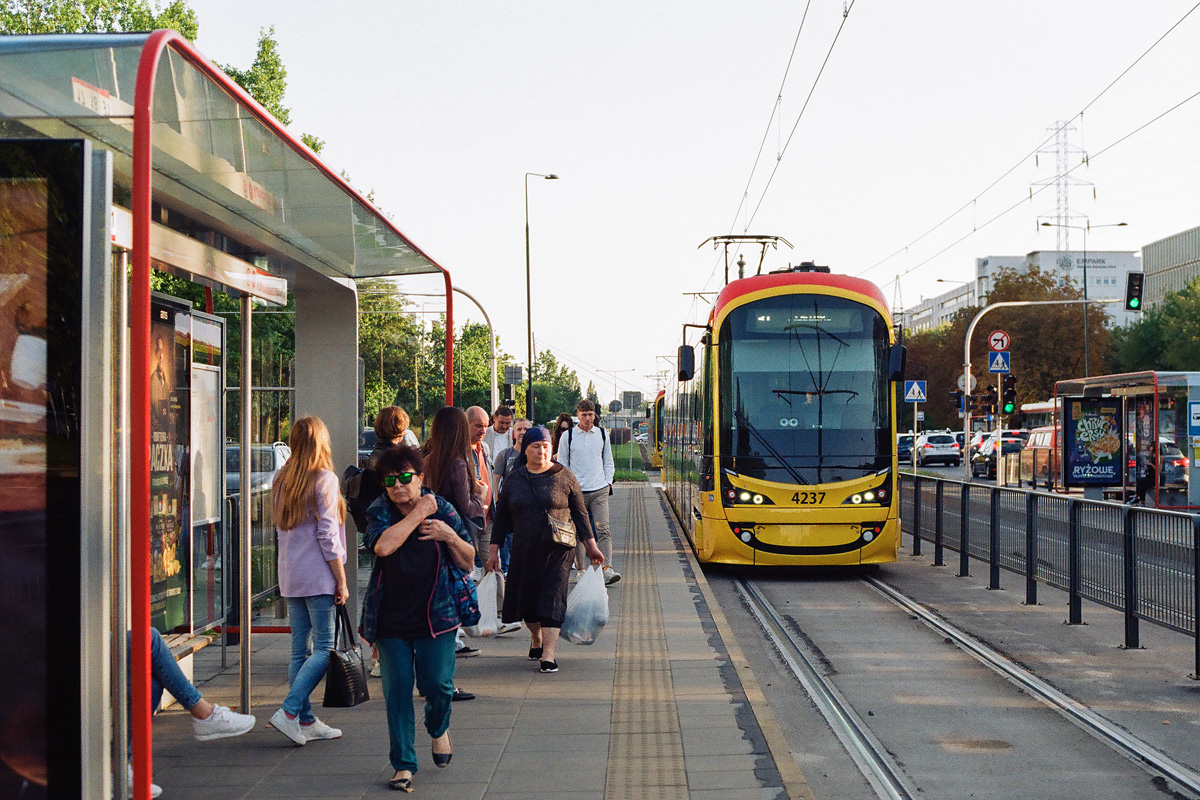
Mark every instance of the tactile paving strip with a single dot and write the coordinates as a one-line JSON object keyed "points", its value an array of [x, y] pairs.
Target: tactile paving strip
{"points": [[645, 757]]}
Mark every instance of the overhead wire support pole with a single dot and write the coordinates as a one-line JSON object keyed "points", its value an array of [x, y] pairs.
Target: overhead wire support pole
{"points": [[967, 353], [492, 343]]}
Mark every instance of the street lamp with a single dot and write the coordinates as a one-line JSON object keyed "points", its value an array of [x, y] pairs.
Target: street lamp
{"points": [[528, 295], [614, 373], [1087, 367]]}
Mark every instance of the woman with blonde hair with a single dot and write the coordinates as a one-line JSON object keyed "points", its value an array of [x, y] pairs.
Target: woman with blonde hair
{"points": [[310, 517]]}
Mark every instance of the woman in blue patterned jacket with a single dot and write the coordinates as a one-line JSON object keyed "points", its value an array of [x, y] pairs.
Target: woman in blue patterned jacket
{"points": [[409, 611]]}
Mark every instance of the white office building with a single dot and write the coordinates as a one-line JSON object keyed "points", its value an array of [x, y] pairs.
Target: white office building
{"points": [[1170, 264], [1104, 271]]}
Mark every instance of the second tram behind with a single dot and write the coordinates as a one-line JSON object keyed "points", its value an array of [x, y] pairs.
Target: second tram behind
{"points": [[779, 440]]}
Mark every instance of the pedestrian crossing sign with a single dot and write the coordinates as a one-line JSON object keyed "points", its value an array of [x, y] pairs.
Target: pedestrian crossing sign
{"points": [[914, 391], [998, 362]]}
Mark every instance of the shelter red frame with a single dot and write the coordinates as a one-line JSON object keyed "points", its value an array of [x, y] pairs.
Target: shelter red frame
{"points": [[139, 468]]}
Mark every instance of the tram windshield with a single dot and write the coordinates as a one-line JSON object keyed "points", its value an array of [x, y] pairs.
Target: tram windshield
{"points": [[803, 390]]}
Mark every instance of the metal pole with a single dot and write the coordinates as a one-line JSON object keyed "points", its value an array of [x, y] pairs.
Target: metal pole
{"points": [[1031, 548], [967, 350], [1087, 364], [244, 614], [994, 542], [1074, 568], [528, 312], [491, 343], [916, 506], [1132, 641]]}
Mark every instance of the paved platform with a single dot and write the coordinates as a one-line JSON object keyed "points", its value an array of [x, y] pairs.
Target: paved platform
{"points": [[661, 706]]}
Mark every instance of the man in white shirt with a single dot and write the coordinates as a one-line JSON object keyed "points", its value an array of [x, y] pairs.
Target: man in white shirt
{"points": [[586, 451], [498, 436]]}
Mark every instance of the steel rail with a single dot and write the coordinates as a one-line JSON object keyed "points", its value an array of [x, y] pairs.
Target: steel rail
{"points": [[1149, 757], [871, 757]]}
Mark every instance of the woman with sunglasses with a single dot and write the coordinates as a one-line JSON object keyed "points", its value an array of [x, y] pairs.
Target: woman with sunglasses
{"points": [[409, 611], [310, 517], [563, 424], [539, 569]]}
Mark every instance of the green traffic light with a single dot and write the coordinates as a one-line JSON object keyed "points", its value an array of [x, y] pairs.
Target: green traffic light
{"points": [[1010, 408], [1134, 302]]}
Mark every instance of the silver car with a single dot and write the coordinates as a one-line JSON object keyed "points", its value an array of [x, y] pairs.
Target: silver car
{"points": [[938, 448]]}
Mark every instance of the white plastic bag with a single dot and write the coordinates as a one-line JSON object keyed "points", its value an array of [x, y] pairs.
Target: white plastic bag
{"points": [[491, 593], [587, 608]]}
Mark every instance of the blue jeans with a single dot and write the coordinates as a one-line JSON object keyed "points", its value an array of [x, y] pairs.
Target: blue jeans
{"points": [[164, 674], [312, 638], [505, 553], [431, 662]]}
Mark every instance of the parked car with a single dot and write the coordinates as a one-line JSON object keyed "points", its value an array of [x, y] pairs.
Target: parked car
{"points": [[1040, 460], [983, 463], [938, 448], [904, 444], [366, 443], [641, 437], [1174, 463], [265, 461]]}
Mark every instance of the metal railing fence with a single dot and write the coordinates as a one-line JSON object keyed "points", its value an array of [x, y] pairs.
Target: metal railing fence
{"points": [[1143, 562]]}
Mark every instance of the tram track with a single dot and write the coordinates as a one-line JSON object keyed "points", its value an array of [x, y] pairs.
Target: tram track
{"points": [[878, 766]]}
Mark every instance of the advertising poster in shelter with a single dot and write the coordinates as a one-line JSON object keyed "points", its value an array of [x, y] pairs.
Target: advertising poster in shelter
{"points": [[170, 466], [1092, 441]]}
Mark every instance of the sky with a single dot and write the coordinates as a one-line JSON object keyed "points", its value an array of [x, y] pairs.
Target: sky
{"points": [[895, 141]]}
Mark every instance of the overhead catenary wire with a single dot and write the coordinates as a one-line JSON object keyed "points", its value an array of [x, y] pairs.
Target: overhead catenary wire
{"points": [[1033, 152], [1027, 198]]}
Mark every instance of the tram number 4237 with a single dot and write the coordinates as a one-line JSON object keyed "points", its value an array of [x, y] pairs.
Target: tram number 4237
{"points": [[808, 498]]}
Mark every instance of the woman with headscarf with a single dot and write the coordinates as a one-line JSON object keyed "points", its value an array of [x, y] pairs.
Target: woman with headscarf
{"points": [[539, 569]]}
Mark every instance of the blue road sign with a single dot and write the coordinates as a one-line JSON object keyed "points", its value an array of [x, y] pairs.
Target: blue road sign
{"points": [[914, 391], [998, 361]]}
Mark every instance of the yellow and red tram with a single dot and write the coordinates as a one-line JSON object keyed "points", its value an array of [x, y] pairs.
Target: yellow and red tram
{"points": [[779, 439]]}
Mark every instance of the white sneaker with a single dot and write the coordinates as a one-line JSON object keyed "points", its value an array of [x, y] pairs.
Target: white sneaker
{"points": [[288, 726], [221, 723], [319, 730], [611, 576], [508, 627], [155, 789], [376, 670]]}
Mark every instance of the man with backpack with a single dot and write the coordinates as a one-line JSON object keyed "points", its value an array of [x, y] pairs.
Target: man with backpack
{"points": [[586, 451]]}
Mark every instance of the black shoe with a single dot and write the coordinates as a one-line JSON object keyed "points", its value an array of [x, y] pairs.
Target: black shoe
{"points": [[443, 759], [466, 651], [549, 666], [535, 654], [459, 694]]}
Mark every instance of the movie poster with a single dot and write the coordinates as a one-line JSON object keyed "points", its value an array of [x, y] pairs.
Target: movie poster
{"points": [[24, 256], [170, 466], [1092, 439]]}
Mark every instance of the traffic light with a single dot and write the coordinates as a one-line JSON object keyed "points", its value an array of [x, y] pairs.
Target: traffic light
{"points": [[1133, 291], [956, 400], [1009, 395], [989, 400]]}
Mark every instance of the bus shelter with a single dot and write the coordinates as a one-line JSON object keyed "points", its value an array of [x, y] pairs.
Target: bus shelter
{"points": [[119, 154], [1154, 418]]}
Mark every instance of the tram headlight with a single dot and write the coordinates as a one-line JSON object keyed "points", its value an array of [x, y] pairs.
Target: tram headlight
{"points": [[758, 499], [878, 495], [744, 497]]}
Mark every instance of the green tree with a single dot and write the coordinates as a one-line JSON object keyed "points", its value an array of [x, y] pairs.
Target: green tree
{"points": [[266, 79], [95, 16], [1046, 343], [1167, 337]]}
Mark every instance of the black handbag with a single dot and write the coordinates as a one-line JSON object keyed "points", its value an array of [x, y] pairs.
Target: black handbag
{"points": [[346, 678], [560, 533]]}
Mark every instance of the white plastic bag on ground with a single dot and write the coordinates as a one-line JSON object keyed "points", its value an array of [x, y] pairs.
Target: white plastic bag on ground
{"points": [[491, 593], [587, 608]]}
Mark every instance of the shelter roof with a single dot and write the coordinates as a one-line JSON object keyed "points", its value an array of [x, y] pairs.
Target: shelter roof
{"points": [[218, 157]]}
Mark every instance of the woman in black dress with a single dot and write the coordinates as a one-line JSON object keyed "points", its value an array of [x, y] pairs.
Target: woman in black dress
{"points": [[539, 570]]}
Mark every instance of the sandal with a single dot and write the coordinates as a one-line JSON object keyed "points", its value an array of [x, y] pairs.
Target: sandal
{"points": [[401, 784]]}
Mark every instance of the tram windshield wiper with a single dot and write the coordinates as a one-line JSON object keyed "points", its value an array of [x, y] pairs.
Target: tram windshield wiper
{"points": [[743, 421]]}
